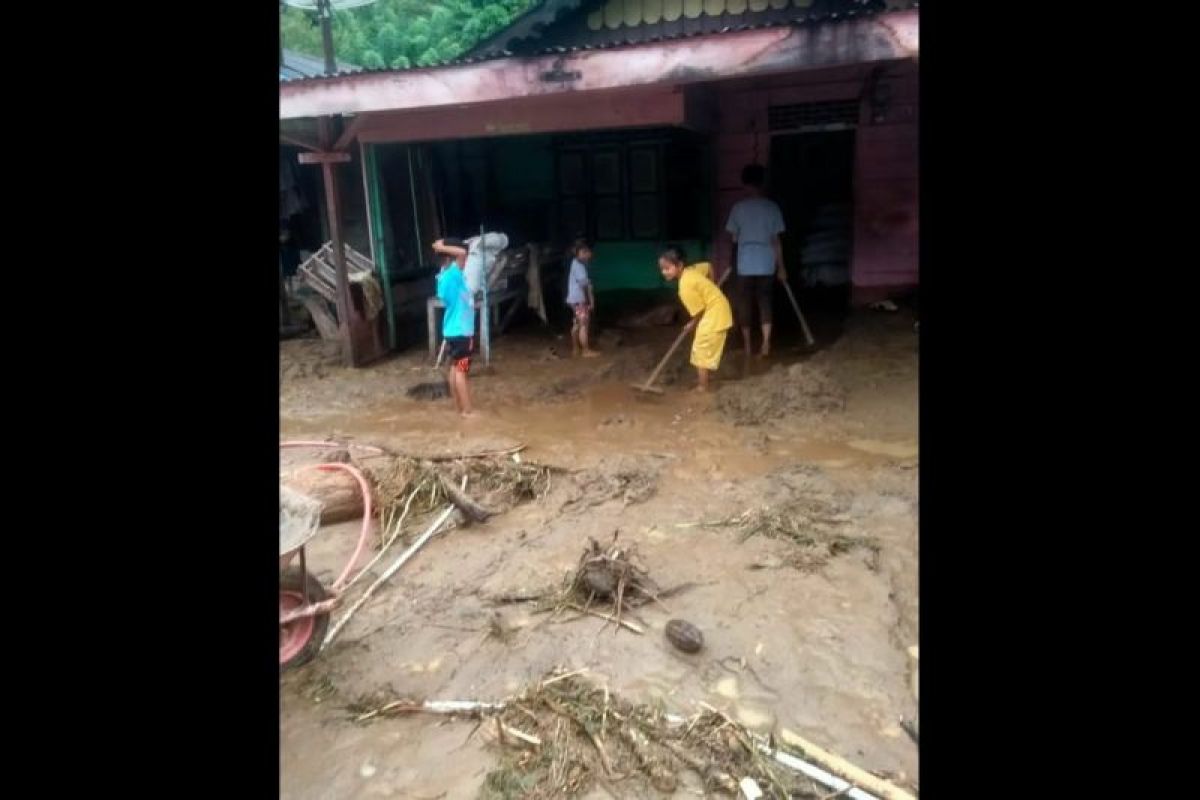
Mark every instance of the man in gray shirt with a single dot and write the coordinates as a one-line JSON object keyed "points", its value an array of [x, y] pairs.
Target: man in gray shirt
{"points": [[755, 224]]}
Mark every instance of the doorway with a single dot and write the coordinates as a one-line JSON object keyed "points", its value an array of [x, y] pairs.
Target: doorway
{"points": [[812, 179]]}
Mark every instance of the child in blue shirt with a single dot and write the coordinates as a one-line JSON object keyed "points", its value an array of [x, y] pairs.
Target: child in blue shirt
{"points": [[458, 323], [581, 298]]}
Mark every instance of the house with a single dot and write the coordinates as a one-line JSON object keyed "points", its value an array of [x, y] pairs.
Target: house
{"points": [[629, 121]]}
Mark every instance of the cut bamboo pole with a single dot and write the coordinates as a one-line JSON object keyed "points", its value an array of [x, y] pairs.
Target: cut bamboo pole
{"points": [[389, 572], [844, 769]]}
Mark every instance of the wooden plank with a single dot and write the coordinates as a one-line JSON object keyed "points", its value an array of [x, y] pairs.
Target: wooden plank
{"points": [[530, 116], [297, 141], [348, 135], [326, 325], [324, 158]]}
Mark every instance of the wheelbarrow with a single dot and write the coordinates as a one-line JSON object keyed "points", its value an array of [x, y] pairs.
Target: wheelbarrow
{"points": [[305, 604], [303, 618]]}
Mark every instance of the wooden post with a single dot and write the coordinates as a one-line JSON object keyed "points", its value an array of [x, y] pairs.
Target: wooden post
{"points": [[485, 319], [334, 209], [431, 325]]}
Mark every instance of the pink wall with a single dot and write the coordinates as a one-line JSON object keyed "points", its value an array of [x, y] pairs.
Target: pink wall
{"points": [[884, 259]]}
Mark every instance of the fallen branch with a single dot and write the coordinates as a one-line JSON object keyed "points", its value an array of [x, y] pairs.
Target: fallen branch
{"points": [[485, 454], [624, 623], [454, 707], [472, 509], [397, 564], [564, 675], [510, 599], [520, 735]]}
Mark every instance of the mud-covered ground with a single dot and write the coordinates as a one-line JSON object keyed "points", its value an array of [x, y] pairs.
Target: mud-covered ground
{"points": [[808, 637]]}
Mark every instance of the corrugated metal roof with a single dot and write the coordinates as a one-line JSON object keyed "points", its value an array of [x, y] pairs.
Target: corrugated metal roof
{"points": [[626, 37], [298, 66]]}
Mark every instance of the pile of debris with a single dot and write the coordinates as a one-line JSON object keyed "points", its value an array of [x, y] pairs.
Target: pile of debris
{"points": [[818, 535], [607, 583], [798, 504], [607, 578], [798, 389], [628, 479], [480, 486], [566, 734]]}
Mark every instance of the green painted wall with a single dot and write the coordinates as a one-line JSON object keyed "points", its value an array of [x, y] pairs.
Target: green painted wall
{"points": [[634, 265], [522, 184]]}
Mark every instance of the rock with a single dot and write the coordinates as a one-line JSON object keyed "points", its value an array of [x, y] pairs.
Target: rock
{"points": [[684, 635]]}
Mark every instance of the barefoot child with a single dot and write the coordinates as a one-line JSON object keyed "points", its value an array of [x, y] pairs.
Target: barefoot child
{"points": [[458, 323], [708, 307], [581, 299]]}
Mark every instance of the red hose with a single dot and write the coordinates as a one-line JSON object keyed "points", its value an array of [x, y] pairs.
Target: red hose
{"points": [[366, 521]]}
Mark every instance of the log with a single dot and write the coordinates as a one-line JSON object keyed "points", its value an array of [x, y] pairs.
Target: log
{"points": [[338, 492]]}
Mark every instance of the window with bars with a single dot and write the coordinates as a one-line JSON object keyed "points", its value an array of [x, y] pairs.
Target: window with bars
{"points": [[611, 192], [827, 116]]}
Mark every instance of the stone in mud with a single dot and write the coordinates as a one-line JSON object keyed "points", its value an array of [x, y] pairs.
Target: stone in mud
{"points": [[684, 635]]}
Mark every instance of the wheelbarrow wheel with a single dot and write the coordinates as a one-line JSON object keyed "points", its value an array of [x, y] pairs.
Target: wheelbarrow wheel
{"points": [[300, 640]]}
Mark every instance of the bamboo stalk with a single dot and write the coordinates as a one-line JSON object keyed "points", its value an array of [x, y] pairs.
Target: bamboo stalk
{"points": [[397, 564], [844, 769]]}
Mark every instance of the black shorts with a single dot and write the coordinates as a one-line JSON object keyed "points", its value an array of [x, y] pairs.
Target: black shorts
{"points": [[755, 290], [459, 349]]}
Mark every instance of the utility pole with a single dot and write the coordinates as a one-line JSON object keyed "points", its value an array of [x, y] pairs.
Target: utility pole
{"points": [[325, 15]]}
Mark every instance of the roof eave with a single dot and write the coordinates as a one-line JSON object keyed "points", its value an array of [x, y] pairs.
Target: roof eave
{"points": [[709, 57]]}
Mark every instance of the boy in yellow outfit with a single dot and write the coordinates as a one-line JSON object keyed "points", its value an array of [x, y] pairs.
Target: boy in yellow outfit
{"points": [[707, 305]]}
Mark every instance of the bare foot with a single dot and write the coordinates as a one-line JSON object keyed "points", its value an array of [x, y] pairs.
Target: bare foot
{"points": [[467, 414], [700, 390], [591, 353]]}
